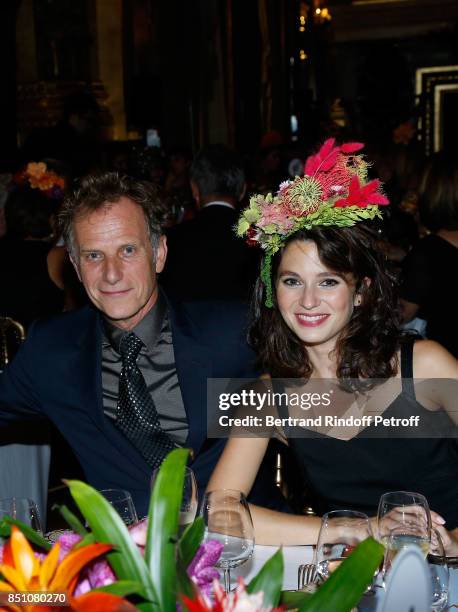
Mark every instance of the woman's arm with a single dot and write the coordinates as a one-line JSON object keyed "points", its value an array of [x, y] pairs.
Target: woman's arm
{"points": [[237, 469], [431, 362]]}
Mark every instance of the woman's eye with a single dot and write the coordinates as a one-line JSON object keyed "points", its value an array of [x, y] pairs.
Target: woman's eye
{"points": [[290, 282], [329, 282]]}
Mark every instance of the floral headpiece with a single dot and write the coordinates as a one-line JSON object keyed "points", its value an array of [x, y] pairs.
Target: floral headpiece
{"points": [[39, 177], [334, 191]]}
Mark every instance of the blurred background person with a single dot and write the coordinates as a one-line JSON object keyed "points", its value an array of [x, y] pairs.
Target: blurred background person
{"points": [[206, 259], [430, 267], [74, 140], [31, 282]]}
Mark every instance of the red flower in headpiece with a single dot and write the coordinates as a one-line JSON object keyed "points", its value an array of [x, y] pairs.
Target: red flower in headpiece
{"points": [[362, 196], [327, 156], [251, 240]]}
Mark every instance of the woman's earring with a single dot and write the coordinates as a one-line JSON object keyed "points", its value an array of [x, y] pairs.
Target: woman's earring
{"points": [[358, 300]]}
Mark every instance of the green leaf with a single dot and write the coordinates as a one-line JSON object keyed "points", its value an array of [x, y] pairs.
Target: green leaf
{"points": [[344, 588], [242, 227], [71, 519], [108, 527], [162, 533], [88, 539], [185, 586], [294, 599], [269, 580], [122, 588], [190, 541], [33, 536]]}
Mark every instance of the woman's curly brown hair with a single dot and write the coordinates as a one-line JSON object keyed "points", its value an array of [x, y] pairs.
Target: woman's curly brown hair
{"points": [[367, 347]]}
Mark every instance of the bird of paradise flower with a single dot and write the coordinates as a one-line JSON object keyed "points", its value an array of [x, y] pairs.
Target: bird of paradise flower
{"points": [[23, 571]]}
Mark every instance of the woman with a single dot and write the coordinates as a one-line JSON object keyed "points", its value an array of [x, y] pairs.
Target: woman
{"points": [[426, 269], [331, 314], [29, 278]]}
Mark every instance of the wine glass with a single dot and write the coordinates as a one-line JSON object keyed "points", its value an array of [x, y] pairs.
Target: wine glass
{"points": [[189, 501], [340, 532], [403, 519], [228, 520], [23, 509], [123, 504], [438, 567]]}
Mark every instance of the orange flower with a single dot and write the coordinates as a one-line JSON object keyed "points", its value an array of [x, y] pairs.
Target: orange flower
{"points": [[36, 170], [23, 571]]}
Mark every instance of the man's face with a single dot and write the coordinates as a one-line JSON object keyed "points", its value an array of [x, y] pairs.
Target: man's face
{"points": [[116, 262]]}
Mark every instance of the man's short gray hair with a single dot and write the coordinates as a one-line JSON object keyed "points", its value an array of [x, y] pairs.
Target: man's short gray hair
{"points": [[96, 191]]}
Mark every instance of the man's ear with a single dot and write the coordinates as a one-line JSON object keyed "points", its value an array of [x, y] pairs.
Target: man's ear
{"points": [[195, 192], [242, 193], [75, 265], [161, 254]]}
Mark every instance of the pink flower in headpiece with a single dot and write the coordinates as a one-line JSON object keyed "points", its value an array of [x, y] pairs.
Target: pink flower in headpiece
{"points": [[284, 185], [362, 196], [274, 214]]}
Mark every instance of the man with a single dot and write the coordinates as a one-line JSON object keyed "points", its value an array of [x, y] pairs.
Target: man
{"points": [[206, 259], [124, 379]]}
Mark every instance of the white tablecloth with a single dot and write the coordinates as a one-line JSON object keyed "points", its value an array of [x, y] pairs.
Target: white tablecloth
{"points": [[293, 557]]}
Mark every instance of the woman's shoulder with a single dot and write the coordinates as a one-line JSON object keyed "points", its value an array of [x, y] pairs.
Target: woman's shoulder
{"points": [[432, 360]]}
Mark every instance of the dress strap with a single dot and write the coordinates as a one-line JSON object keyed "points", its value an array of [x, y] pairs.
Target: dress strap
{"points": [[408, 387]]}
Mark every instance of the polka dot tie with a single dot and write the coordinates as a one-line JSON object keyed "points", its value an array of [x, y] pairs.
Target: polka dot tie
{"points": [[136, 414]]}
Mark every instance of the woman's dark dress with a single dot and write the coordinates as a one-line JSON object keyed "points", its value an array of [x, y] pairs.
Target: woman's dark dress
{"points": [[354, 474]]}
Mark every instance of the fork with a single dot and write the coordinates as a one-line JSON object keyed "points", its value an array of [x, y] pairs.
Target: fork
{"points": [[306, 575]]}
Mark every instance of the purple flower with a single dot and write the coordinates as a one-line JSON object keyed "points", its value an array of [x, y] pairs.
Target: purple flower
{"points": [[202, 568], [96, 574]]}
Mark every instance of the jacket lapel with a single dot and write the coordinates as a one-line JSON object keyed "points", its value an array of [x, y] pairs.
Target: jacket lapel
{"points": [[194, 366]]}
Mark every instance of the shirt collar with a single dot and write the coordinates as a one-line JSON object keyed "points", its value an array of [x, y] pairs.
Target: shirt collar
{"points": [[219, 203], [148, 330]]}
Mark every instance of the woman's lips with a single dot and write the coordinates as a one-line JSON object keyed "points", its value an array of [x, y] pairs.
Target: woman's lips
{"points": [[311, 320]]}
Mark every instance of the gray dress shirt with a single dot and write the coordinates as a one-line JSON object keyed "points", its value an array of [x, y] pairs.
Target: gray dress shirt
{"points": [[157, 364]]}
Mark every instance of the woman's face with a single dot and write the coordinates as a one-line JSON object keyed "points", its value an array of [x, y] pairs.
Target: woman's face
{"points": [[315, 302]]}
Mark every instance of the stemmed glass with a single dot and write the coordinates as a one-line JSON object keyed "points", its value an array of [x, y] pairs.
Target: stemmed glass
{"points": [[437, 563], [189, 501], [340, 532], [123, 504], [228, 520], [403, 519], [22, 509]]}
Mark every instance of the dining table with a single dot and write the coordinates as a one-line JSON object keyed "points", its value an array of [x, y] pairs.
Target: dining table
{"points": [[297, 555], [293, 557]]}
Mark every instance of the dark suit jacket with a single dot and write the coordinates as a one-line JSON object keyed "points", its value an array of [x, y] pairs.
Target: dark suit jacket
{"points": [[206, 260], [57, 373]]}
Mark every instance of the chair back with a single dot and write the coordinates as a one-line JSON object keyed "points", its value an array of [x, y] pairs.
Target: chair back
{"points": [[12, 333]]}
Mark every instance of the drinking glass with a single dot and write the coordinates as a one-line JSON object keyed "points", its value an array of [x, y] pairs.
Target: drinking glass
{"points": [[22, 509], [340, 532], [403, 519], [437, 563], [123, 504], [189, 501], [228, 520]]}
